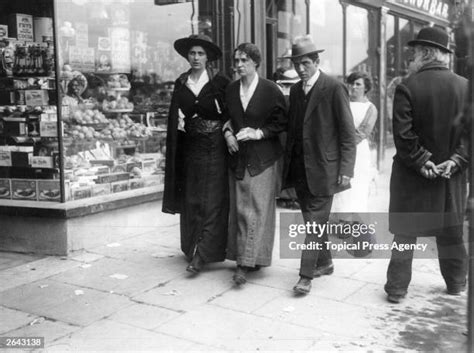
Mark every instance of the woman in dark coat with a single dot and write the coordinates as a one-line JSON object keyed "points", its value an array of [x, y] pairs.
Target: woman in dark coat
{"points": [[196, 179]]}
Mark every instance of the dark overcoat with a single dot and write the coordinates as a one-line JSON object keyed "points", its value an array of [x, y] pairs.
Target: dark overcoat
{"points": [[174, 168], [266, 111], [328, 136], [426, 113]]}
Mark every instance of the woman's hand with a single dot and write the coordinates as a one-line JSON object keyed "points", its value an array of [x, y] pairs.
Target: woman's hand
{"points": [[248, 133], [232, 144]]}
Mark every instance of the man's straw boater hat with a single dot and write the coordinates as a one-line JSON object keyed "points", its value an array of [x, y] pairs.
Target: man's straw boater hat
{"points": [[433, 37], [183, 45], [304, 46]]}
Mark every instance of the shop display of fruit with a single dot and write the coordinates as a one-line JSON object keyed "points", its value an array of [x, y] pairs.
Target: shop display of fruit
{"points": [[78, 132], [118, 81], [120, 104], [124, 128], [89, 117]]}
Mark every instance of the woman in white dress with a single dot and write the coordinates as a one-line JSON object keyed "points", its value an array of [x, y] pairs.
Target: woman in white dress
{"points": [[355, 199]]}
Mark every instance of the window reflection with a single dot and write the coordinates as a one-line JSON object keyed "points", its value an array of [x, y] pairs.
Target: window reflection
{"points": [[326, 25], [357, 39]]}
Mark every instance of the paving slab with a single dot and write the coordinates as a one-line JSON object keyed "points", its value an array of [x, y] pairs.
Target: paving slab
{"points": [[13, 259], [85, 256], [166, 236], [13, 319], [110, 336], [33, 271], [143, 316], [231, 330], [123, 277], [60, 301], [186, 293], [137, 249], [50, 330], [320, 314], [237, 298]]}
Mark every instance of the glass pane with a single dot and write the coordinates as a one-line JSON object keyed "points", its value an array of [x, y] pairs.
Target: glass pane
{"points": [[357, 39], [326, 23], [115, 125], [29, 149]]}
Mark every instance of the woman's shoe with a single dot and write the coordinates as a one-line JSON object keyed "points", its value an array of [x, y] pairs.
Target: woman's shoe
{"points": [[196, 264], [239, 277]]}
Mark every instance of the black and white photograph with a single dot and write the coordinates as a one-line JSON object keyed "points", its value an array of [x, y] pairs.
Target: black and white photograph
{"points": [[236, 176]]}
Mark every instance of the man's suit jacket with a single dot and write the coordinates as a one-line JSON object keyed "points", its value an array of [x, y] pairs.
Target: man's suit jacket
{"points": [[328, 136], [266, 111]]}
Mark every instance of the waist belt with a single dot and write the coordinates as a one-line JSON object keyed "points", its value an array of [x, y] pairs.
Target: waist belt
{"points": [[202, 126]]}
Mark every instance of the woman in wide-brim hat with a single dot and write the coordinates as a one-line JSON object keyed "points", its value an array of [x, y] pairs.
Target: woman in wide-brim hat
{"points": [[196, 180]]}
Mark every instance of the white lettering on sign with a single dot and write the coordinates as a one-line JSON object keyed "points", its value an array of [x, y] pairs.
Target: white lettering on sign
{"points": [[437, 8]]}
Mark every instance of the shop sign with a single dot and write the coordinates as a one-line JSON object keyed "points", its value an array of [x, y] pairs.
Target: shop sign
{"points": [[435, 8], [120, 55]]}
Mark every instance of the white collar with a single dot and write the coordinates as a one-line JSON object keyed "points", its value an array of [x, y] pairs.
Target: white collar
{"points": [[246, 96], [312, 80], [196, 86]]}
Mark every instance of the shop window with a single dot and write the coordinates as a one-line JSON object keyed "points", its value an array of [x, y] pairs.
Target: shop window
{"points": [[326, 26], [29, 146], [115, 126], [291, 23], [357, 42]]}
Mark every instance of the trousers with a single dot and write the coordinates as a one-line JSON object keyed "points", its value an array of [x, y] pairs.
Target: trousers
{"points": [[452, 257]]}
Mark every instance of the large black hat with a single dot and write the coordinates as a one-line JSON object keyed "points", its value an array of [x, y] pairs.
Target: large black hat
{"points": [[433, 37], [183, 45], [304, 46]]}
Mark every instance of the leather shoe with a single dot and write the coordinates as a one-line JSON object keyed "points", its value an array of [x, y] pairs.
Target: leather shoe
{"points": [[239, 277], [395, 298], [303, 286], [196, 264], [323, 270]]}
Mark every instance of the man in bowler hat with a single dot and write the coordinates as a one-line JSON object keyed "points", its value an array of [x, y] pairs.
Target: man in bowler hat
{"points": [[428, 183], [320, 151]]}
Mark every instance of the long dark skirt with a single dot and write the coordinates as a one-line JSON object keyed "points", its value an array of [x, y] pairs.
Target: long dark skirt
{"points": [[205, 211]]}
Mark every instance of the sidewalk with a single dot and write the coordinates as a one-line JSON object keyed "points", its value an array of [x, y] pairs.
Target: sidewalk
{"points": [[131, 293]]}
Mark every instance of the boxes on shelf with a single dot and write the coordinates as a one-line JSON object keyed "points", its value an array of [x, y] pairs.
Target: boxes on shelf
{"points": [[152, 180], [48, 128], [5, 157], [5, 189], [21, 159], [35, 97], [137, 183], [148, 166], [3, 31], [49, 190], [119, 186], [80, 192], [42, 162], [100, 189], [13, 126], [21, 27], [43, 27], [24, 189], [112, 177]]}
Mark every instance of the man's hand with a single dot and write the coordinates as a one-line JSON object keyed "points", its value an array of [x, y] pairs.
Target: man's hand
{"points": [[232, 144], [430, 170], [447, 168], [343, 180], [248, 133]]}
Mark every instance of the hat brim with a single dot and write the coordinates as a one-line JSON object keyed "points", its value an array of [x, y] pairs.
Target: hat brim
{"points": [[183, 45], [304, 54], [429, 43]]}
